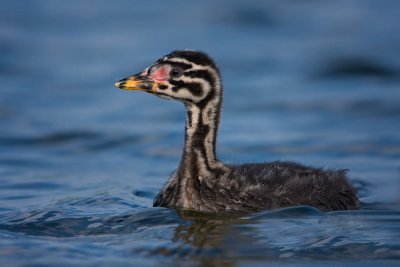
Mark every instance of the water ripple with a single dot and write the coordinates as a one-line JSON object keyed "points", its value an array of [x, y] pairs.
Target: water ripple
{"points": [[50, 139], [55, 223]]}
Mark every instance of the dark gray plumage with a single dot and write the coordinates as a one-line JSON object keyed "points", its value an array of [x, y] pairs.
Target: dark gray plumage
{"points": [[202, 182], [259, 186]]}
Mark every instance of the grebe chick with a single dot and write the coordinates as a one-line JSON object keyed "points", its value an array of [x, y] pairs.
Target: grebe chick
{"points": [[202, 182]]}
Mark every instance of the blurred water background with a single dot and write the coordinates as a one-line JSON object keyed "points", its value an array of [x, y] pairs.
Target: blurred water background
{"points": [[316, 82]]}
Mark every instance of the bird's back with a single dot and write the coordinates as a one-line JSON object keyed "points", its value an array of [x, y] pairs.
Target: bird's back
{"points": [[281, 184]]}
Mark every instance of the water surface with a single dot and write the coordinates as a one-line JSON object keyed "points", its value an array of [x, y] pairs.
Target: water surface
{"points": [[80, 161]]}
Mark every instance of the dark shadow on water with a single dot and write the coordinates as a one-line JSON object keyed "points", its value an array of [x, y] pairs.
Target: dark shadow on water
{"points": [[357, 67], [85, 140], [246, 16], [50, 139], [147, 194]]}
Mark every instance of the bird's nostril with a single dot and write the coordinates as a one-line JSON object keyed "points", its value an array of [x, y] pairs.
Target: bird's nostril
{"points": [[162, 87], [145, 86]]}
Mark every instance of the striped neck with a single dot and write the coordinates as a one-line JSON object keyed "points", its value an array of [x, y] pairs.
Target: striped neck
{"points": [[199, 156], [199, 161]]}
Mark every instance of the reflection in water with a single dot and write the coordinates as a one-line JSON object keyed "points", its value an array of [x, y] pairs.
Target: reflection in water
{"points": [[205, 230]]}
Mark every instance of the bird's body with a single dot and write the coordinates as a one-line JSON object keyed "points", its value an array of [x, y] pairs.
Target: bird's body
{"points": [[259, 186], [202, 182]]}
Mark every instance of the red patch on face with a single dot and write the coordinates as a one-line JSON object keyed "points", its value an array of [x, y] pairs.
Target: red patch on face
{"points": [[160, 74]]}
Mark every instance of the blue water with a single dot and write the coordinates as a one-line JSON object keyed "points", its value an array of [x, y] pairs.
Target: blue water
{"points": [[310, 81]]}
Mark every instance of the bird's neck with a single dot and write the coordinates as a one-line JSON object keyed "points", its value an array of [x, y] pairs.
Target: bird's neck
{"points": [[199, 155], [199, 159]]}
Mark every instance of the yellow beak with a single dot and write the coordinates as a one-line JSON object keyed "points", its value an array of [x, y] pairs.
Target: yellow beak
{"points": [[137, 82]]}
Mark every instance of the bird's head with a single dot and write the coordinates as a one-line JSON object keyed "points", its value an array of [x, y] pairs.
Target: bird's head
{"points": [[186, 76]]}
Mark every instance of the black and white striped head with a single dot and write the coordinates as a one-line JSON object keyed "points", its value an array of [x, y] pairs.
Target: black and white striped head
{"points": [[187, 76]]}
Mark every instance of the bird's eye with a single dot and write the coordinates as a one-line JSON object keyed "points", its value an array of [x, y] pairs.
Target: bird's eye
{"points": [[175, 73]]}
